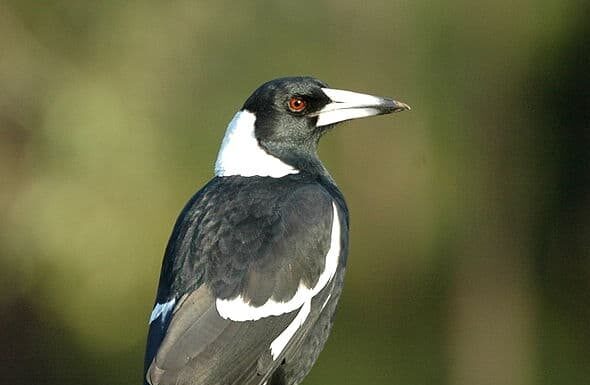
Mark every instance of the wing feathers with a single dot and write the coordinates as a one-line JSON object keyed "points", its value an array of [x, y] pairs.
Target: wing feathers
{"points": [[203, 348], [241, 272]]}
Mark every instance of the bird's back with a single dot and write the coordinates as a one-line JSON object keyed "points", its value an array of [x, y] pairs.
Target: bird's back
{"points": [[241, 245]]}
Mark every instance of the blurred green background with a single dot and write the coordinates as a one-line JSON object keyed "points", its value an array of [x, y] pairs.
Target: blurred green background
{"points": [[470, 258]]}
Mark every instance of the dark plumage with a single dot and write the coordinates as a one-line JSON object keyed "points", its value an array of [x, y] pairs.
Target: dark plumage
{"points": [[255, 264]]}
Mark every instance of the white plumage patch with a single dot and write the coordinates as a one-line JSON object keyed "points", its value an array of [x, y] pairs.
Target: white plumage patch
{"points": [[162, 309], [240, 153], [277, 346], [326, 301], [237, 309]]}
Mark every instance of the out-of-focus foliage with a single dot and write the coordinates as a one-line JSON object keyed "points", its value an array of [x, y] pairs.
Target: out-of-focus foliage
{"points": [[470, 259]]}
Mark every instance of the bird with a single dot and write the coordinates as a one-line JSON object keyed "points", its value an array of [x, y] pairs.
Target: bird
{"points": [[254, 267]]}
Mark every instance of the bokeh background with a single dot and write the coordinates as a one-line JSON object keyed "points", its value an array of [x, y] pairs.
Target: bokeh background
{"points": [[470, 259]]}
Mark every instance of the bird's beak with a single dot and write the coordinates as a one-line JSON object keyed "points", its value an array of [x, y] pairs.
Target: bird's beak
{"points": [[347, 105]]}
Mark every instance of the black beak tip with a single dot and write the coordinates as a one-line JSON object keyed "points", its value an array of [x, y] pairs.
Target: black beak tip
{"points": [[391, 106]]}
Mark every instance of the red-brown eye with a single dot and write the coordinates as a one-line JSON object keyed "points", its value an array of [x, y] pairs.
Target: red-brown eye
{"points": [[296, 104]]}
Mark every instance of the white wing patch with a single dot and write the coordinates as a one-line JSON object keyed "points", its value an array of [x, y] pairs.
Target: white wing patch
{"points": [[277, 346], [162, 309], [237, 309], [240, 153], [326, 301]]}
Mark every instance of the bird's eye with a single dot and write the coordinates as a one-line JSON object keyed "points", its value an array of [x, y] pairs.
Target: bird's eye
{"points": [[296, 104]]}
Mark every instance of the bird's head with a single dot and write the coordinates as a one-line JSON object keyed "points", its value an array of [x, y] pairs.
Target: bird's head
{"points": [[277, 131]]}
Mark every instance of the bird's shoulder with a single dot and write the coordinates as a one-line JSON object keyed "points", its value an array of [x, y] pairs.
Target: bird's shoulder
{"points": [[236, 226]]}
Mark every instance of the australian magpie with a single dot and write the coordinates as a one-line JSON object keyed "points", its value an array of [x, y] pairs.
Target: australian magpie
{"points": [[255, 264]]}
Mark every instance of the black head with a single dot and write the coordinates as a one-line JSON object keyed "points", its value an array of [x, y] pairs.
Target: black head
{"points": [[285, 121], [289, 116]]}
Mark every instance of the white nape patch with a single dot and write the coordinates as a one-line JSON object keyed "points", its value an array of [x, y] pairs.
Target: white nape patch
{"points": [[240, 153], [238, 309], [162, 309], [346, 105], [277, 346]]}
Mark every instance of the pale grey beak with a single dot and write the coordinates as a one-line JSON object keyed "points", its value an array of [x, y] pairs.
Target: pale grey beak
{"points": [[347, 105]]}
